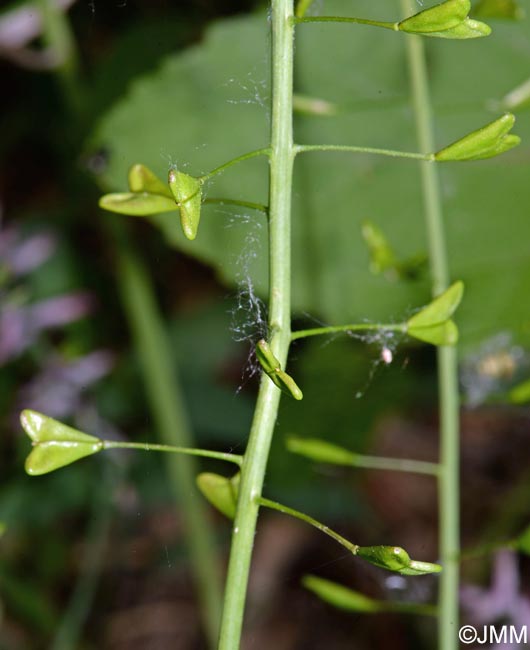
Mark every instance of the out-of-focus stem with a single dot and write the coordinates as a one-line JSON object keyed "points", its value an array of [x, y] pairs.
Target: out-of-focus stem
{"points": [[169, 414], [448, 493], [153, 348]]}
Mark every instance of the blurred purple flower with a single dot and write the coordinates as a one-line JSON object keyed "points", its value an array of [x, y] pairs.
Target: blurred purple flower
{"points": [[20, 256], [18, 28], [21, 325], [58, 390], [502, 601]]}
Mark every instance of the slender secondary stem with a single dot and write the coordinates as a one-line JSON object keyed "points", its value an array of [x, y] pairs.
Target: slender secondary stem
{"points": [[396, 464], [68, 632], [312, 522], [259, 207], [256, 455], [170, 420], [189, 451], [448, 493], [355, 327], [321, 451], [347, 19], [162, 387], [58, 37], [235, 161], [303, 148]]}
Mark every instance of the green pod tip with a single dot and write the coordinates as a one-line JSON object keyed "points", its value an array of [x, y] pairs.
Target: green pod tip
{"points": [[272, 368], [54, 444], [449, 19], [488, 141], [186, 191]]}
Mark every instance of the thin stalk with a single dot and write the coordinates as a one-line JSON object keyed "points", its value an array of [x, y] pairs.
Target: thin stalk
{"points": [[303, 148], [187, 451], [58, 37], [166, 403], [346, 458], [69, 630], [355, 327], [162, 387], [396, 464], [449, 484], [347, 19], [259, 207], [273, 505], [235, 161], [256, 455]]}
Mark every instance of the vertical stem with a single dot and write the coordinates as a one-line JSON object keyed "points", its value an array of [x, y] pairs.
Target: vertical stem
{"points": [[162, 387], [58, 37], [448, 494], [169, 414], [256, 455]]}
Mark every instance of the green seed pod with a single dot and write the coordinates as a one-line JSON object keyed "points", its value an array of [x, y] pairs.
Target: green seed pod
{"points": [[395, 558], [440, 309], [136, 204], [142, 179], [220, 491], [433, 323], [54, 444], [287, 384], [272, 367], [186, 191], [438, 18], [321, 451], [466, 29], [392, 558], [266, 358], [486, 142], [441, 334], [382, 256]]}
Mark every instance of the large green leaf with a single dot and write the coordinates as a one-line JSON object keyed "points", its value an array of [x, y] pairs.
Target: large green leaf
{"points": [[209, 104]]}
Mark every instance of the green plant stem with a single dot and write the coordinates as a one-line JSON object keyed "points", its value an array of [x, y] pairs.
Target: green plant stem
{"points": [[302, 6], [166, 403], [273, 505], [448, 493], [235, 161], [347, 19], [303, 148], [355, 327], [69, 630], [162, 387], [58, 37], [259, 207], [264, 421], [352, 459], [395, 464], [189, 451]]}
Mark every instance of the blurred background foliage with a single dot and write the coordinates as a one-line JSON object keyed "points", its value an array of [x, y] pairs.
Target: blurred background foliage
{"points": [[97, 547]]}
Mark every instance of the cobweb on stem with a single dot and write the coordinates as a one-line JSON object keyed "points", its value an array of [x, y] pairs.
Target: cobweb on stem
{"points": [[249, 312]]}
